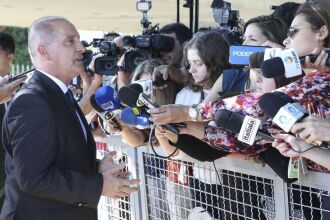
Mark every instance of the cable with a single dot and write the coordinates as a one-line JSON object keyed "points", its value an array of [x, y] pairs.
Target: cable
{"points": [[152, 131]]}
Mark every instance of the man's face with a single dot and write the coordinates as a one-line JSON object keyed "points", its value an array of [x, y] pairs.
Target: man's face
{"points": [[5, 61], [173, 57], [66, 50]]}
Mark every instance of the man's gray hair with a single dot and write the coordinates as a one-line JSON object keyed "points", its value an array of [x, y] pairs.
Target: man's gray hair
{"points": [[42, 31]]}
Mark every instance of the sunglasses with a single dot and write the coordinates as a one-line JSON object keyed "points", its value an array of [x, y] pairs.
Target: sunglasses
{"points": [[292, 32]]}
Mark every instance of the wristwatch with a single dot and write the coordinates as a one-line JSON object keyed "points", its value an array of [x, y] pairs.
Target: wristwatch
{"points": [[193, 112]]}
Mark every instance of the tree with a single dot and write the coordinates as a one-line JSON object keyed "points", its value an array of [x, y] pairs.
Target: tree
{"points": [[20, 36]]}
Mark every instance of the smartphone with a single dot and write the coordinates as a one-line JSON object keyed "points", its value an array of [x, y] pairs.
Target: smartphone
{"points": [[11, 79]]}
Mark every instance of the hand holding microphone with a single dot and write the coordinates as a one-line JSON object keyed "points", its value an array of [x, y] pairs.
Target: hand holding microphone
{"points": [[313, 129], [284, 111]]}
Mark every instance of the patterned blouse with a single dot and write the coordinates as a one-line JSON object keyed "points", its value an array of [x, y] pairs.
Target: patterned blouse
{"points": [[311, 91]]}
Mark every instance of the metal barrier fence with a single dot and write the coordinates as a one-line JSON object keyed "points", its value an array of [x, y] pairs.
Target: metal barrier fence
{"points": [[19, 68], [236, 189]]}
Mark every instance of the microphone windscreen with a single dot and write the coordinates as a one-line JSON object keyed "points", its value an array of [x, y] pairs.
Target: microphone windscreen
{"points": [[94, 104], [228, 120], [137, 87], [128, 96], [256, 59], [106, 98], [271, 103], [272, 68], [128, 117], [162, 43]]}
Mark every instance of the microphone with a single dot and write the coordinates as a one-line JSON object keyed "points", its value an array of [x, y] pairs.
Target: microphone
{"points": [[146, 85], [246, 127], [287, 64], [283, 109], [127, 116], [104, 101], [133, 98]]}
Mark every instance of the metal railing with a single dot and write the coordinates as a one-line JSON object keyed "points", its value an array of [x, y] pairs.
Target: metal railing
{"points": [[19, 68], [241, 190]]}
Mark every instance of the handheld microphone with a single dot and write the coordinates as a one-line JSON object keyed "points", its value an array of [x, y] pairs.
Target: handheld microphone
{"points": [[132, 98], [105, 115], [246, 127], [239, 55], [283, 109], [145, 84], [127, 116], [104, 101], [288, 64]]}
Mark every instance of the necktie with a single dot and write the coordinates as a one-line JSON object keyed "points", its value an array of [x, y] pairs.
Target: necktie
{"points": [[71, 99], [73, 104]]}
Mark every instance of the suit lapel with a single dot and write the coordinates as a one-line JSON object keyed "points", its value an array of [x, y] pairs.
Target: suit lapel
{"points": [[60, 98]]}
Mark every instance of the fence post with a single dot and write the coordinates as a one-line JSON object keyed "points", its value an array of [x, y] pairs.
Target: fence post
{"points": [[281, 199]]}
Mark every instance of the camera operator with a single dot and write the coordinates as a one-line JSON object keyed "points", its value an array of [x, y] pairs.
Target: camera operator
{"points": [[257, 32], [172, 70]]}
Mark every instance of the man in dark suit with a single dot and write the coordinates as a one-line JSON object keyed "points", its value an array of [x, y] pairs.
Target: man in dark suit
{"points": [[50, 152], [7, 90]]}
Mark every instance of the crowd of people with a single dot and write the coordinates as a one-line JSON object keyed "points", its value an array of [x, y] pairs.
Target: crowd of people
{"points": [[49, 160]]}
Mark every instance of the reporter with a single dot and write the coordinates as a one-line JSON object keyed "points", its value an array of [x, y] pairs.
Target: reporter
{"points": [[309, 33], [259, 31], [313, 128]]}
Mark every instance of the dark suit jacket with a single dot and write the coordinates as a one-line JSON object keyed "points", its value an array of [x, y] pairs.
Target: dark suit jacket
{"points": [[51, 170]]}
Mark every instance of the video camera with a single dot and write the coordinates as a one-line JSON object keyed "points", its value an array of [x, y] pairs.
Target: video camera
{"points": [[227, 18]]}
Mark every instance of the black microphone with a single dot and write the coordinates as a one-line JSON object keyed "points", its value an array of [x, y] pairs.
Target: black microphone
{"points": [[275, 67], [246, 127], [133, 99], [284, 111]]}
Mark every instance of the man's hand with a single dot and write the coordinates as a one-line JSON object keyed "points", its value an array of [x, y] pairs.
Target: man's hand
{"points": [[313, 129], [115, 181], [172, 113], [7, 90]]}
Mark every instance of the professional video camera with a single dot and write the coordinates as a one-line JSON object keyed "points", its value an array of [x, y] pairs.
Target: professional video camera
{"points": [[228, 19], [104, 65], [147, 45]]}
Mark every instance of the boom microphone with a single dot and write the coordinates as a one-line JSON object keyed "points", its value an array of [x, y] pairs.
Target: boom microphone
{"points": [[246, 127]]}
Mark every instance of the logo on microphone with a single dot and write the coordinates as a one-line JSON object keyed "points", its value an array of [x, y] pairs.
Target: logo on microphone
{"points": [[288, 60], [249, 130], [108, 105]]}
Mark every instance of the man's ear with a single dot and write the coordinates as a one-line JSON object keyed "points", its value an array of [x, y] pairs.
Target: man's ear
{"points": [[43, 51], [11, 57]]}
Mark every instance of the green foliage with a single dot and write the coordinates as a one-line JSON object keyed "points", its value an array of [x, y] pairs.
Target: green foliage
{"points": [[20, 36]]}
